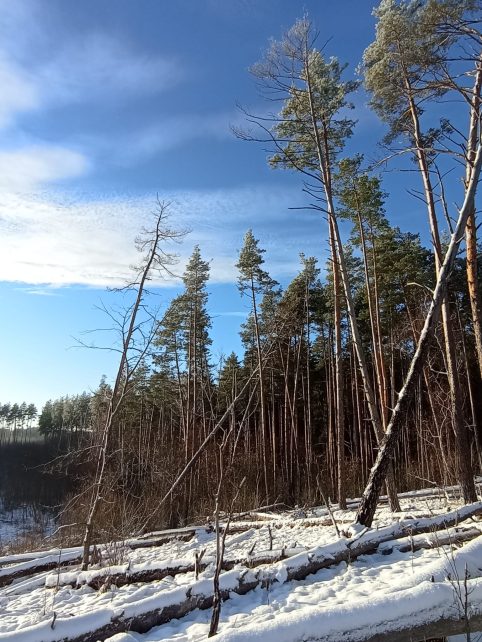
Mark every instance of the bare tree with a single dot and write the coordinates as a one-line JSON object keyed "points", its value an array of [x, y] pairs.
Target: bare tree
{"points": [[221, 537], [135, 341]]}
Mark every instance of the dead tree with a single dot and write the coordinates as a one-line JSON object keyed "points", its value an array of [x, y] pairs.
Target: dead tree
{"points": [[220, 541], [155, 260]]}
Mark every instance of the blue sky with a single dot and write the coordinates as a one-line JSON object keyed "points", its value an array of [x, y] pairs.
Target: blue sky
{"points": [[106, 103]]}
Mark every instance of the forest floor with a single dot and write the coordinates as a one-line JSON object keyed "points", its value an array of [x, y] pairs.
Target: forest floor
{"points": [[286, 577]]}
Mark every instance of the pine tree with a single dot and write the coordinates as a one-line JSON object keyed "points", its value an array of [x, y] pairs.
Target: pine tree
{"points": [[298, 313], [183, 342], [399, 67], [308, 136], [254, 281]]}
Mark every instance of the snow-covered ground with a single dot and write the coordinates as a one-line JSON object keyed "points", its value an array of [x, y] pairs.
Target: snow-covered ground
{"points": [[396, 585]]}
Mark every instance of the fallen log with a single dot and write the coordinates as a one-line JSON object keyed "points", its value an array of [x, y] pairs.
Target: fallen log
{"points": [[112, 576], [437, 491], [176, 533], [263, 512], [441, 629], [425, 611], [15, 558], [60, 559], [159, 538], [31, 567], [159, 609], [431, 540], [297, 567], [365, 541]]}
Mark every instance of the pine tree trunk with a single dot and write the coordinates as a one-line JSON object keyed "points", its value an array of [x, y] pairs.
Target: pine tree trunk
{"points": [[262, 400], [339, 391], [323, 150], [462, 455], [471, 229], [470, 390], [371, 494], [473, 285]]}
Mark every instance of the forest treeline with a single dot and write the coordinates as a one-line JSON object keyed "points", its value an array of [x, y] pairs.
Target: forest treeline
{"points": [[15, 419], [178, 394], [381, 358]]}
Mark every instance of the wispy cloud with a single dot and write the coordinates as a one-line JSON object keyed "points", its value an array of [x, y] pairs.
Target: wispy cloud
{"points": [[29, 167], [171, 132], [233, 313], [40, 291], [50, 240], [94, 68], [97, 65], [166, 133], [20, 93], [83, 67]]}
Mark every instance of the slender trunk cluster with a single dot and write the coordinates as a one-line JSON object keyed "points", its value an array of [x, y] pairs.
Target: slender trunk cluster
{"points": [[379, 471]]}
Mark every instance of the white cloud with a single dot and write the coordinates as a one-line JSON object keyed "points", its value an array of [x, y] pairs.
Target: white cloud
{"points": [[27, 168], [40, 291], [168, 132], [19, 92], [48, 241]]}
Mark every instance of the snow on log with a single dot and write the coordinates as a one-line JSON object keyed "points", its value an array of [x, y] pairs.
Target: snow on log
{"points": [[29, 567], [428, 610], [154, 571], [160, 608], [24, 565]]}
